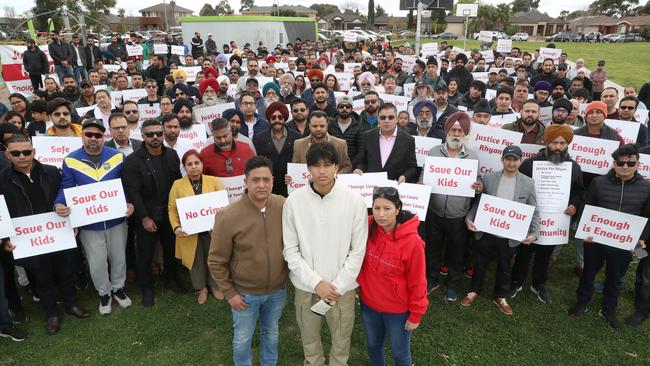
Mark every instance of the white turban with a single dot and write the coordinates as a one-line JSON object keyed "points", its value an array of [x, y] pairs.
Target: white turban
{"points": [[222, 78], [367, 76]]}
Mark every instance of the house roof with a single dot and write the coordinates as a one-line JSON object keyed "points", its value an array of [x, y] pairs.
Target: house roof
{"points": [[161, 7], [454, 19], [533, 17], [594, 20], [268, 9], [343, 17], [637, 20]]}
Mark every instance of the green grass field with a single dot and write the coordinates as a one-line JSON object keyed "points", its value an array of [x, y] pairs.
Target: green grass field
{"points": [[177, 331], [626, 62]]}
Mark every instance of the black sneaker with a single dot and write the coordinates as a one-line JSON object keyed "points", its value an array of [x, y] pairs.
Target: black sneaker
{"points": [[636, 319], [515, 288], [175, 287], [18, 316], [578, 309], [147, 298], [542, 294], [16, 335], [432, 287], [611, 319]]}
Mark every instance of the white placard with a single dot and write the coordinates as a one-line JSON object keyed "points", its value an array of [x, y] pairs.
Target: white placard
{"points": [[415, 198], [408, 89], [41, 234], [552, 53], [349, 37], [612, 228], [299, 176], [449, 176], [134, 94], [488, 143], [205, 115], [504, 46], [497, 121], [553, 228], [197, 212], [191, 72], [95, 202], [345, 80], [349, 67], [552, 185], [488, 56], [594, 155], [485, 36], [490, 94], [234, 186], [195, 135], [399, 101], [114, 68], [358, 105], [178, 50], [504, 218], [480, 76], [546, 115], [429, 49], [160, 49], [422, 146], [81, 111], [644, 166], [530, 150], [6, 226], [116, 98], [135, 50], [364, 184], [149, 111], [627, 129], [52, 149]]}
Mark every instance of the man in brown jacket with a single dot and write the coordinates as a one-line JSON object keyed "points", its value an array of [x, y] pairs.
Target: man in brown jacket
{"points": [[246, 262]]}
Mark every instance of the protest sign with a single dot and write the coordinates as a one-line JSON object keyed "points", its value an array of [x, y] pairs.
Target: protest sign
{"points": [[552, 53], [111, 67], [53, 149], [546, 115], [415, 198], [205, 115], [134, 94], [349, 37], [552, 190], [485, 36], [609, 227], [627, 129], [399, 101], [529, 150], [497, 121], [6, 226], [160, 49], [422, 146], [197, 212], [488, 143], [96, 202], [41, 234], [299, 176], [149, 111], [191, 72], [408, 89], [488, 56], [594, 155], [135, 50], [116, 98], [364, 184], [480, 76], [502, 217], [234, 186], [195, 135], [490, 94], [644, 166], [358, 105], [348, 67], [81, 111], [504, 46], [452, 177], [178, 50], [553, 228], [345, 80]]}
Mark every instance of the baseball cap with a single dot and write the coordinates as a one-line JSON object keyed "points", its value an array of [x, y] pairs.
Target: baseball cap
{"points": [[421, 83], [85, 83], [512, 150], [442, 86], [93, 122]]}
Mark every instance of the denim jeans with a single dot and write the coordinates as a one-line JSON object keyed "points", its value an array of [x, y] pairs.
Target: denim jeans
{"points": [[80, 73], [269, 309], [62, 71], [377, 325]]}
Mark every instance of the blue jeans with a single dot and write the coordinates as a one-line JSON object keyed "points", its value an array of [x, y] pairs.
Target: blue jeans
{"points": [[62, 71], [269, 309], [377, 325], [80, 73]]}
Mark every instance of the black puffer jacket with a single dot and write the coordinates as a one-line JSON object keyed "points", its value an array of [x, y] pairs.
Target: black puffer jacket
{"points": [[352, 134]]}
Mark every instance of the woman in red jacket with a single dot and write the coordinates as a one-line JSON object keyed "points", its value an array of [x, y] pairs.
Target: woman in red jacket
{"points": [[392, 281]]}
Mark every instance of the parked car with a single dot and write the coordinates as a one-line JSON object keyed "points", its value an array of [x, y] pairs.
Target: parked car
{"points": [[447, 35], [520, 37], [633, 37], [361, 35], [406, 34], [495, 35], [564, 37], [593, 36], [613, 38]]}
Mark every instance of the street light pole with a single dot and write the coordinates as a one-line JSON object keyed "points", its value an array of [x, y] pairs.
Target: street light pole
{"points": [[418, 28], [165, 12]]}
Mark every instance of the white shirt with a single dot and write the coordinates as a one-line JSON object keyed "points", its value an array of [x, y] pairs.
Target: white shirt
{"points": [[181, 147]]}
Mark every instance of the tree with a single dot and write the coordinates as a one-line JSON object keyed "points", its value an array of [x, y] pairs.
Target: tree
{"points": [[395, 25], [350, 7], [645, 9], [439, 21], [121, 12], [615, 8], [207, 10], [286, 13], [524, 5], [10, 12], [379, 11], [490, 17], [223, 8], [564, 14], [371, 14], [324, 9], [246, 5], [409, 20]]}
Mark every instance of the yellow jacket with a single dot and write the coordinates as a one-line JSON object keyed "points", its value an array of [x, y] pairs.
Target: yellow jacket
{"points": [[186, 247]]}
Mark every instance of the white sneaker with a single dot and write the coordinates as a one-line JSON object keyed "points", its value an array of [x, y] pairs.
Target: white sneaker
{"points": [[105, 305], [121, 298]]}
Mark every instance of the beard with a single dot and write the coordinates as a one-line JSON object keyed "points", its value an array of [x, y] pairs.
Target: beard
{"points": [[268, 101], [344, 114], [210, 101], [397, 69], [456, 142], [528, 121], [559, 121], [424, 123], [441, 100], [185, 123], [286, 91], [556, 157], [71, 89]]}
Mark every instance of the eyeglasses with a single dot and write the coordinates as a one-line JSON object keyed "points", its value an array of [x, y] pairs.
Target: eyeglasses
{"points": [[57, 114], [296, 110], [247, 103], [389, 117], [629, 163], [229, 168], [561, 111], [370, 101], [627, 108], [153, 134], [16, 153], [95, 135], [132, 111]]}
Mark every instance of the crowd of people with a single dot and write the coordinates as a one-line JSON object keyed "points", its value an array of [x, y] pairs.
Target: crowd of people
{"points": [[288, 105]]}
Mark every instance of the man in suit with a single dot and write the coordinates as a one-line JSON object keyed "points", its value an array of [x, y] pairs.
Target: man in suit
{"points": [[318, 127], [513, 185], [277, 144], [93, 54], [388, 149], [120, 131]]}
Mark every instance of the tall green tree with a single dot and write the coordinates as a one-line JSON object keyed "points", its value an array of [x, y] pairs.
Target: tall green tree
{"points": [[246, 5], [324, 9], [615, 8], [223, 8], [371, 14], [524, 5], [409, 20], [645, 9], [207, 10], [379, 11]]}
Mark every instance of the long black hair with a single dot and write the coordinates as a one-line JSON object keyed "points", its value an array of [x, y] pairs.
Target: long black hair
{"points": [[391, 194]]}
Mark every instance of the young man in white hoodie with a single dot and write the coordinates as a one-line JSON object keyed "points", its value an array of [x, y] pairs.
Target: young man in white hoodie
{"points": [[325, 228]]}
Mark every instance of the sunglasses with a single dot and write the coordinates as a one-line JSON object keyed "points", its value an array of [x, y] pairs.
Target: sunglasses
{"points": [[229, 168], [151, 86], [370, 101], [153, 134], [298, 110], [133, 111], [389, 117], [385, 191], [626, 108], [57, 114], [345, 106], [277, 118], [629, 163], [96, 135], [17, 153]]}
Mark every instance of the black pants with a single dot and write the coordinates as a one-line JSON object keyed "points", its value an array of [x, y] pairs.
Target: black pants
{"points": [[11, 289], [448, 235], [130, 243], [37, 81], [642, 301], [147, 244], [54, 276], [540, 265], [485, 248], [617, 262]]}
